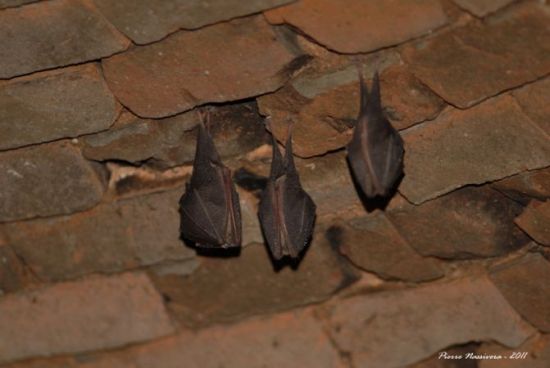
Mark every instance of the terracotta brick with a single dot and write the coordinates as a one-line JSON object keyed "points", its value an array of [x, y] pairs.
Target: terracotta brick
{"points": [[149, 21], [323, 106], [92, 314], [533, 99], [170, 142], [526, 186], [46, 180], [14, 3], [47, 106], [396, 328], [52, 22], [373, 244], [291, 339], [535, 221], [13, 273], [468, 64], [343, 28], [226, 289], [537, 349], [482, 7], [183, 70], [470, 222], [109, 238], [465, 147], [524, 284]]}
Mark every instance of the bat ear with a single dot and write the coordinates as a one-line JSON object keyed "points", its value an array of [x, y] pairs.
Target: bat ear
{"points": [[206, 151], [374, 100], [364, 91]]}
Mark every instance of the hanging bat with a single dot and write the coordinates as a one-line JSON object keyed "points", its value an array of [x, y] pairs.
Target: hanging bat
{"points": [[286, 211], [210, 211], [375, 152]]}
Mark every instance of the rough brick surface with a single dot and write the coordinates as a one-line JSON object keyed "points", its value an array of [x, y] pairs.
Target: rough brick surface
{"points": [[525, 285], [149, 21], [392, 329], [52, 22], [323, 106], [372, 243], [52, 105], [465, 147], [535, 221], [343, 28], [13, 273], [526, 186], [294, 338], [537, 349], [470, 222], [233, 288], [169, 142], [46, 180], [95, 313], [109, 238], [533, 99], [14, 3], [479, 60], [184, 70], [482, 7]]}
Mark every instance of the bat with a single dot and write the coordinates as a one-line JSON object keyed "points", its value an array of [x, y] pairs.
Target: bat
{"points": [[286, 211], [209, 208], [375, 152]]}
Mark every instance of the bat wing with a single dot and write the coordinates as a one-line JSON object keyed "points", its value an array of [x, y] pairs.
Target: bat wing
{"points": [[375, 152], [210, 212]]}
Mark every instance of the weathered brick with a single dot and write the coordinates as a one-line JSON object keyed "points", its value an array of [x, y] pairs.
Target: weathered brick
{"points": [[526, 186], [323, 106], [47, 106], [535, 221], [533, 99], [92, 314], [54, 33], [343, 28], [470, 222], [14, 3], [482, 7], [466, 147], [13, 273], [537, 349], [183, 70], [149, 21], [524, 283], [372, 243], [481, 59], [396, 328], [169, 142], [109, 238], [46, 180], [224, 289]]}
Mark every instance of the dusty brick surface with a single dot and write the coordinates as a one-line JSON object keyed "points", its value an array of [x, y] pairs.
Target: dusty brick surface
{"points": [[13, 3], [149, 21], [295, 338], [373, 244], [342, 28], [533, 99], [323, 106], [535, 221], [538, 349], [52, 105], [229, 289], [465, 147], [111, 237], [46, 180], [170, 142], [91, 314], [184, 70], [525, 285], [479, 60], [91, 36], [482, 7], [13, 273], [470, 222], [526, 186], [396, 328]]}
